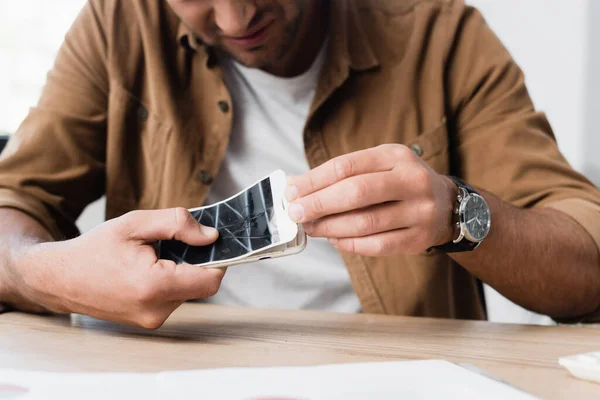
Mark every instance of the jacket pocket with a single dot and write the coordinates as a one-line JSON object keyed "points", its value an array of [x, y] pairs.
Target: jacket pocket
{"points": [[432, 147], [136, 144]]}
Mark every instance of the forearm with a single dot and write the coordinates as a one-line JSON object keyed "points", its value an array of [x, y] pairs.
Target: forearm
{"points": [[539, 258], [18, 231]]}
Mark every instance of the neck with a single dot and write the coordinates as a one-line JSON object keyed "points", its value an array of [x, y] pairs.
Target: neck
{"points": [[311, 35]]}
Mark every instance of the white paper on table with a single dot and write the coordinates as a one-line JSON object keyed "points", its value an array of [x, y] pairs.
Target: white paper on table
{"points": [[391, 380]]}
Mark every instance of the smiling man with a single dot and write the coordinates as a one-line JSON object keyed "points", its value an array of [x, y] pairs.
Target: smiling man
{"points": [[420, 167]]}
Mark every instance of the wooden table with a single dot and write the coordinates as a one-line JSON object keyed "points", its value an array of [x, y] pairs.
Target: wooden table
{"points": [[203, 336]]}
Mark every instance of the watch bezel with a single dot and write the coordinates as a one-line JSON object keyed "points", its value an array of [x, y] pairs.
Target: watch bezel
{"points": [[464, 230]]}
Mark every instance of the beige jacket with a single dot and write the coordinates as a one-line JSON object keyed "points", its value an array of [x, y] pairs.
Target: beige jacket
{"points": [[135, 108]]}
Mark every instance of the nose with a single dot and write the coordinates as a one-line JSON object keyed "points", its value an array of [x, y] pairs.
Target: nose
{"points": [[233, 17]]}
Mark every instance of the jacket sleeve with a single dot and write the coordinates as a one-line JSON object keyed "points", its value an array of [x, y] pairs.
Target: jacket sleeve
{"points": [[502, 144], [54, 165]]}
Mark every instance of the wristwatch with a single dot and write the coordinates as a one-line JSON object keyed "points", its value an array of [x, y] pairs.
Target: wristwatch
{"points": [[471, 220]]}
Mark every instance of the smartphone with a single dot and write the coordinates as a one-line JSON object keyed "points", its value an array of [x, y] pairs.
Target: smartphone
{"points": [[294, 247], [253, 225]]}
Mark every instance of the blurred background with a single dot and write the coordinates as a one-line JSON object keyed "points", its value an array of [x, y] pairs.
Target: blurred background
{"points": [[555, 42]]}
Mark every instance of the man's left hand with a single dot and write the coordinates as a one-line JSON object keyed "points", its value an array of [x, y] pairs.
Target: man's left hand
{"points": [[376, 202]]}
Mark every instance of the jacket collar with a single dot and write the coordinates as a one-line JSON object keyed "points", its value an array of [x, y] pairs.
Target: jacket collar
{"points": [[350, 46]]}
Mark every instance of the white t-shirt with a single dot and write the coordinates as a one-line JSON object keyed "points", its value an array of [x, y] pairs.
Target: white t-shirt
{"points": [[269, 117]]}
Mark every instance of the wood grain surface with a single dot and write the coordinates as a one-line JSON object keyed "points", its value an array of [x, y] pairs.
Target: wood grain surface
{"points": [[203, 336]]}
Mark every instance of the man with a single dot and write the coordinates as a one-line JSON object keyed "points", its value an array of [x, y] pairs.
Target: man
{"points": [[164, 105]]}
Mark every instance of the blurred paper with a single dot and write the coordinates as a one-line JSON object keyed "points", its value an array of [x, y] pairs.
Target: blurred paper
{"points": [[393, 380]]}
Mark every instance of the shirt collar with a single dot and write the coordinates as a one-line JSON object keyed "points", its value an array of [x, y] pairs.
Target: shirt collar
{"points": [[186, 38], [350, 46], [190, 43]]}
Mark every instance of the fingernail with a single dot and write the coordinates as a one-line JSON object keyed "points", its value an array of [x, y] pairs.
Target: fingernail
{"points": [[333, 241], [291, 193], [208, 231], [296, 212]]}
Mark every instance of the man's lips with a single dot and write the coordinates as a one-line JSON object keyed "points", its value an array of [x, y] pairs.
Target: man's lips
{"points": [[251, 40]]}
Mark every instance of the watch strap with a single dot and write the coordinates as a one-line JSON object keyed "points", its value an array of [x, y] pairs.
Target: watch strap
{"points": [[459, 182], [451, 247]]}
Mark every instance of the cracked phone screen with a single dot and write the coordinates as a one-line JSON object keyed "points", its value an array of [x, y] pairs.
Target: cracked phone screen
{"points": [[246, 223]]}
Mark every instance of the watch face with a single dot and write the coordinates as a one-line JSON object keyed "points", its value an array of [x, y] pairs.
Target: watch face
{"points": [[477, 217]]}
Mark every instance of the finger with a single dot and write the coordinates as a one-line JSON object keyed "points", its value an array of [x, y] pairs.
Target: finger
{"points": [[173, 223], [366, 221], [381, 244], [350, 194], [376, 159], [187, 282]]}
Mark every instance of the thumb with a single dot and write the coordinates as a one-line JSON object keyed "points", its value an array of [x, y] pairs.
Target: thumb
{"points": [[173, 223]]}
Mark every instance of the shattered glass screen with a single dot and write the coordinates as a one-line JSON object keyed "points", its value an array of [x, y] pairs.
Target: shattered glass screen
{"points": [[245, 223]]}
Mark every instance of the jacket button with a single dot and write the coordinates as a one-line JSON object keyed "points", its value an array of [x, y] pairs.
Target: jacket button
{"points": [[224, 106], [205, 177], [142, 113], [417, 149]]}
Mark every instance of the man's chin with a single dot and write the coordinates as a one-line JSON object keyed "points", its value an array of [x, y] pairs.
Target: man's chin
{"points": [[255, 58]]}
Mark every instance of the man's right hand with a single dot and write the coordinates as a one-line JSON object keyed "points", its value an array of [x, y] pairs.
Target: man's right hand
{"points": [[113, 272]]}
